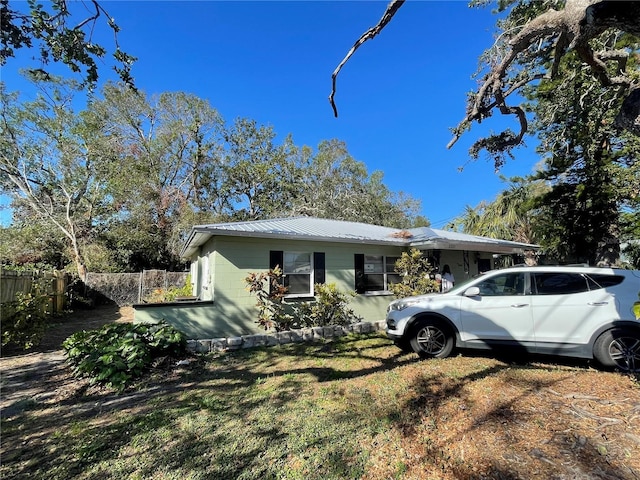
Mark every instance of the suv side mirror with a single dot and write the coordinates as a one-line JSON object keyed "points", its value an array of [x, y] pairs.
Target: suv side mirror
{"points": [[472, 292]]}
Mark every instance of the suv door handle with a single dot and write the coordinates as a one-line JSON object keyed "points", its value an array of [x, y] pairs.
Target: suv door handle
{"points": [[519, 305], [597, 304]]}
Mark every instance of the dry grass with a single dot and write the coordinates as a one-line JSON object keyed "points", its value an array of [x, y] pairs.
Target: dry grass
{"points": [[353, 408]]}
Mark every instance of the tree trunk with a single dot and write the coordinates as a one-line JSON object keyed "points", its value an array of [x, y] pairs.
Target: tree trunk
{"points": [[79, 260]]}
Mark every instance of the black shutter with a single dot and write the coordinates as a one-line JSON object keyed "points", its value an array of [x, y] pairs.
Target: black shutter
{"points": [[276, 259], [318, 268], [361, 284]]}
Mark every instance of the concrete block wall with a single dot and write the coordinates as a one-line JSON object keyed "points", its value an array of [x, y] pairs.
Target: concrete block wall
{"points": [[310, 334]]}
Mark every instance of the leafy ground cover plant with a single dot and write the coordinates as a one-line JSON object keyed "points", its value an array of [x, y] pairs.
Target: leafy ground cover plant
{"points": [[353, 408], [118, 353]]}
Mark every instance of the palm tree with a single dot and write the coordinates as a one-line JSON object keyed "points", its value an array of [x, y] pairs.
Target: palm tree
{"points": [[508, 217]]}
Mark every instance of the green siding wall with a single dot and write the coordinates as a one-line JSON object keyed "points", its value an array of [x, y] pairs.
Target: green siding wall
{"points": [[233, 311], [237, 257]]}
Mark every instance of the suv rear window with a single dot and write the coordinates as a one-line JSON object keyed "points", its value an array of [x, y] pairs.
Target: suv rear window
{"points": [[599, 280], [559, 283]]}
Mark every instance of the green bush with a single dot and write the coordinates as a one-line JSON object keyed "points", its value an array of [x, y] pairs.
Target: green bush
{"points": [[273, 312], [329, 308], [25, 319], [416, 272], [161, 295], [118, 353]]}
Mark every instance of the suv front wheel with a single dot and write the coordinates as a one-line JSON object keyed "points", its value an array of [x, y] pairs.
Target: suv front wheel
{"points": [[432, 339], [619, 348]]}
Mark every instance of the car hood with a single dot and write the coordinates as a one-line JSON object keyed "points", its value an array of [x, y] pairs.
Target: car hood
{"points": [[429, 298]]}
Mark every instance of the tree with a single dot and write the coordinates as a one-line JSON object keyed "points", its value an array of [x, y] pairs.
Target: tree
{"points": [[57, 39], [53, 162], [590, 164], [575, 62], [263, 179], [534, 38], [168, 154], [507, 217], [33, 243], [125, 179], [335, 185], [259, 178], [511, 216]]}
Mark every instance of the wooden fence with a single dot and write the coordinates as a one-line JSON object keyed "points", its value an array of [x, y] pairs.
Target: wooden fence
{"points": [[54, 283]]}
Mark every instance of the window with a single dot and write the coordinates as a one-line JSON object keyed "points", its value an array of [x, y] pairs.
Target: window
{"points": [[597, 281], [300, 270], [559, 283], [296, 271], [374, 273], [503, 285]]}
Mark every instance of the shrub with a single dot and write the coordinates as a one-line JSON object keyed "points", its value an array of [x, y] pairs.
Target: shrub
{"points": [[272, 311], [160, 295], [24, 320], [329, 308], [118, 353], [416, 272]]}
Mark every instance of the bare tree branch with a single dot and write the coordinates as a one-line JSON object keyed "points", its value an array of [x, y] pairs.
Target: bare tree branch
{"points": [[569, 29], [391, 10]]}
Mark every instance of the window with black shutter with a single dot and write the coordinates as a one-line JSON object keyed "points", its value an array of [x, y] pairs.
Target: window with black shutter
{"points": [[374, 273], [300, 270]]}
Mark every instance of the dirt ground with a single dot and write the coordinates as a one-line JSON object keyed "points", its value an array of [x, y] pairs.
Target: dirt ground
{"points": [[566, 420], [40, 372]]}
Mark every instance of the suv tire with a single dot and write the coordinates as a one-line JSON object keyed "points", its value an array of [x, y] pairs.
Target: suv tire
{"points": [[432, 339], [619, 348], [404, 345]]}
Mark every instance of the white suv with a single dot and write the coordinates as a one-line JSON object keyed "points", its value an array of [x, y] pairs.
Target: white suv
{"points": [[573, 311]]}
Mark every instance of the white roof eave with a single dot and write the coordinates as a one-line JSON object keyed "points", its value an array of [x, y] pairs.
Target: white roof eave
{"points": [[497, 246]]}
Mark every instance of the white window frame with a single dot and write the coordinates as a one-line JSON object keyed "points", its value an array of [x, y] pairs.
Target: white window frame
{"points": [[385, 274], [310, 274]]}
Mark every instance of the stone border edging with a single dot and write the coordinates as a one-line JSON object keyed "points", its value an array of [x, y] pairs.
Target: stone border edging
{"points": [[309, 334]]}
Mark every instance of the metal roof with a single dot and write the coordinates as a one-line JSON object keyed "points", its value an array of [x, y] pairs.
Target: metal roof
{"points": [[320, 229]]}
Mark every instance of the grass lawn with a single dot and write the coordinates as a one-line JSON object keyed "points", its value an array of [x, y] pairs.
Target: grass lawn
{"points": [[348, 409]]}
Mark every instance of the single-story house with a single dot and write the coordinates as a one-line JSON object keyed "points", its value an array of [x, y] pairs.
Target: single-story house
{"points": [[355, 256]]}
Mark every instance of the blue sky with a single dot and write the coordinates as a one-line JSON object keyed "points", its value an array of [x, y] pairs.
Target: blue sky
{"points": [[272, 62]]}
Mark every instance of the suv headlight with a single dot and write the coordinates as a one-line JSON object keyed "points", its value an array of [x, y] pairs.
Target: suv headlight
{"points": [[402, 304]]}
